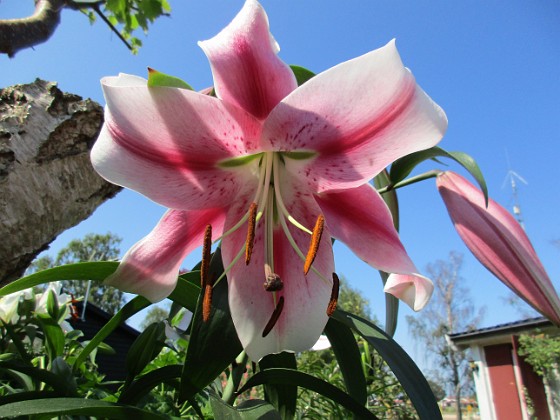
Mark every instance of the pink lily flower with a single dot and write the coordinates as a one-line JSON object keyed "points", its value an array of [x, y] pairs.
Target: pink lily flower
{"points": [[271, 167], [498, 241]]}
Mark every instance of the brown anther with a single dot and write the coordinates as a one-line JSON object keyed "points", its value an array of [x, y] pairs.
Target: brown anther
{"points": [[206, 248], [274, 317], [314, 245], [249, 242], [207, 302], [273, 283], [334, 295]]}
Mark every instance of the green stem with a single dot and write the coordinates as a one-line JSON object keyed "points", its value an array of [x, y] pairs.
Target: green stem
{"points": [[235, 378], [412, 180]]}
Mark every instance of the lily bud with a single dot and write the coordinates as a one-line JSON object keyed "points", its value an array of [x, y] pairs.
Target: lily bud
{"points": [[498, 241]]}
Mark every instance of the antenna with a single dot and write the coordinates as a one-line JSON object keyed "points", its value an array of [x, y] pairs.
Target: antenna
{"points": [[512, 176]]}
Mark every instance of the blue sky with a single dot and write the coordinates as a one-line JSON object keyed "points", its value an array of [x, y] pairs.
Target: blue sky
{"points": [[493, 67]]}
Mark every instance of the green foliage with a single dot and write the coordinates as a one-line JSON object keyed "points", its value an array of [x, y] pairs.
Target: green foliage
{"points": [[162, 368], [155, 314], [541, 351]]}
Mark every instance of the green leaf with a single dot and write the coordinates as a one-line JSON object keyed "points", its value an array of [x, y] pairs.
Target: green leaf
{"points": [[247, 410], [293, 377], [213, 344], [49, 407], [97, 271], [302, 74], [406, 371], [145, 383], [391, 308], [53, 335], [25, 396], [145, 348], [52, 305], [159, 79], [131, 308], [187, 290], [349, 359], [402, 167], [56, 382], [283, 397]]}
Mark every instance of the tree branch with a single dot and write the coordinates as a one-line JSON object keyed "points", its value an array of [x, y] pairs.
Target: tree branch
{"points": [[18, 34]]}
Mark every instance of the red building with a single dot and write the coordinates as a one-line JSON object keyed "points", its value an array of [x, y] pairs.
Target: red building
{"points": [[503, 379]]}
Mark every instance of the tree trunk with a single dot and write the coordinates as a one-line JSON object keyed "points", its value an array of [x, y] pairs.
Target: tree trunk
{"points": [[47, 183]]}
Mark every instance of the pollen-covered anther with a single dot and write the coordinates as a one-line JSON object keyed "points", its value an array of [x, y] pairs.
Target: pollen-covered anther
{"points": [[274, 317], [334, 295], [207, 302], [314, 245], [249, 242], [205, 280], [273, 283]]}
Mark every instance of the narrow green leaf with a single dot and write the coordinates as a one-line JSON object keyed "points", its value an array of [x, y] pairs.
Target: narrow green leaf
{"points": [[247, 410], [16, 339], [402, 167], [145, 348], [56, 382], [131, 308], [291, 377], [404, 368], [26, 396], [48, 407], [302, 74], [145, 383], [283, 397], [391, 302], [159, 79], [97, 271], [348, 356], [187, 290], [213, 344]]}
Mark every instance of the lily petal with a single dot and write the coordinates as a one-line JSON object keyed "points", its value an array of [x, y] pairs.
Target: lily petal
{"points": [[360, 218], [499, 243], [145, 147], [247, 72], [358, 117], [150, 268], [306, 297]]}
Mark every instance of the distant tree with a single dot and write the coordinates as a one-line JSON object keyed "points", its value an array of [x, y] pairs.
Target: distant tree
{"points": [[351, 300], [92, 247], [155, 314], [450, 310], [129, 15]]}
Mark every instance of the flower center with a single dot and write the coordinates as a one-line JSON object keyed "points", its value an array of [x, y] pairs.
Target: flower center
{"points": [[268, 208]]}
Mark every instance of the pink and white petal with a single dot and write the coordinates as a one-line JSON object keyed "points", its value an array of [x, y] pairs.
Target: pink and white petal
{"points": [[414, 290], [247, 71], [177, 127], [305, 297], [358, 117], [171, 186], [150, 268], [360, 218]]}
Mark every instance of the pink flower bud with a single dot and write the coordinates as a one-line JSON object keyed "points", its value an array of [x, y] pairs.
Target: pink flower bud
{"points": [[499, 243]]}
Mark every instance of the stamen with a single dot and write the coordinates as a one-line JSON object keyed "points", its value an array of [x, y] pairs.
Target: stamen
{"points": [[249, 242], [273, 283], [274, 317], [314, 245], [334, 295], [207, 302], [206, 248]]}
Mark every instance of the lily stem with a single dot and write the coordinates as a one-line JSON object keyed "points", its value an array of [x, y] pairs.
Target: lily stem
{"points": [[412, 180], [237, 371]]}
